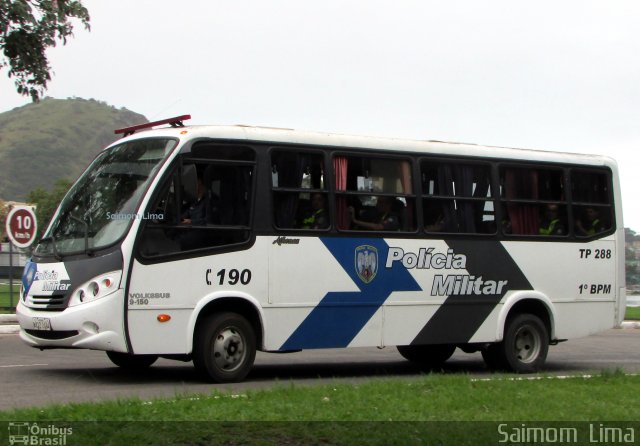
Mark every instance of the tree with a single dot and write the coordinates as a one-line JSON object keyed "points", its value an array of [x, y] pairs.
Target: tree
{"points": [[47, 202], [4, 210], [632, 264], [27, 29], [629, 235]]}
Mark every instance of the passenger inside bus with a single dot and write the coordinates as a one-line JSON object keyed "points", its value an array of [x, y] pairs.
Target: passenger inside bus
{"points": [[196, 212], [383, 218], [433, 216], [551, 223], [590, 223], [317, 217]]}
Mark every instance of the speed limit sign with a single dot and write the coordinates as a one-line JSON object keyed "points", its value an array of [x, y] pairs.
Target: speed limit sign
{"points": [[21, 226]]}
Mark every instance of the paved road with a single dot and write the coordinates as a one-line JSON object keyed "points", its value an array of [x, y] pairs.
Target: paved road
{"points": [[34, 378]]}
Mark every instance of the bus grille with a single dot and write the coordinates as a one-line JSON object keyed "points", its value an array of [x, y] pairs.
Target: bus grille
{"points": [[48, 303], [52, 335]]}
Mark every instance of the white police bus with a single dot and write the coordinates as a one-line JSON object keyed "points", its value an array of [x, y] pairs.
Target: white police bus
{"points": [[208, 243]]}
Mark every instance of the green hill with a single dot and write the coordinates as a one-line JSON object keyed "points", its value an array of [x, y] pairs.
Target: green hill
{"points": [[53, 139]]}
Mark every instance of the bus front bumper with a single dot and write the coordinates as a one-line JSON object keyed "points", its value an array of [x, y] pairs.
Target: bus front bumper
{"points": [[96, 325]]}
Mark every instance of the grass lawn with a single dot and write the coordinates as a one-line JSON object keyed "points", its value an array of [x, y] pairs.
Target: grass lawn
{"points": [[4, 294], [632, 314], [433, 409]]}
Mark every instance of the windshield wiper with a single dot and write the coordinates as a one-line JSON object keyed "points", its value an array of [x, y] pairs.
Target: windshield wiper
{"points": [[86, 233], [56, 254]]}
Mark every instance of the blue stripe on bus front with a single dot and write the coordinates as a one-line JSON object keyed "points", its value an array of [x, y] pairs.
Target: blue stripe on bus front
{"points": [[28, 275], [341, 315]]}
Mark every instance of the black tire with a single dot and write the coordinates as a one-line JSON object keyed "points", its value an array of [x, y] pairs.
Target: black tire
{"points": [[132, 362], [224, 348], [427, 356], [524, 347]]}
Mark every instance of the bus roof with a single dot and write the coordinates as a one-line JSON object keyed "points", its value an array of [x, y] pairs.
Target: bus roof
{"points": [[283, 136]]}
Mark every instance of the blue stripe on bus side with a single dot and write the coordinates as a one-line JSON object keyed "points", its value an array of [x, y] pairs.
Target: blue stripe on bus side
{"points": [[340, 315]]}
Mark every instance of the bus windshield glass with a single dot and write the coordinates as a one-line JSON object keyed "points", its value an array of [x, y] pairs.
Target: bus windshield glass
{"points": [[100, 206]]}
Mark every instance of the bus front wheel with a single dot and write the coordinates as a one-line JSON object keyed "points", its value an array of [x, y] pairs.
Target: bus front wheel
{"points": [[132, 362], [224, 348]]}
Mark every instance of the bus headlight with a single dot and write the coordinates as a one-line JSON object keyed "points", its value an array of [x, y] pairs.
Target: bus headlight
{"points": [[96, 288]]}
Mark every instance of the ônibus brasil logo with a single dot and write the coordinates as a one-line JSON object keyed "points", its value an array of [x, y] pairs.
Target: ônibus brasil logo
{"points": [[35, 434]]}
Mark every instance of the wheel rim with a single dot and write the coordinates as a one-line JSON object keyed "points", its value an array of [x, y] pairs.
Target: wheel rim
{"points": [[229, 349], [527, 344]]}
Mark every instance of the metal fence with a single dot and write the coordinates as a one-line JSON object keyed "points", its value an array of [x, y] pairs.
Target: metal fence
{"points": [[12, 262]]}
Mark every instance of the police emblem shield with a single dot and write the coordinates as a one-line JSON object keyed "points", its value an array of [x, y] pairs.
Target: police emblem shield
{"points": [[366, 259]]}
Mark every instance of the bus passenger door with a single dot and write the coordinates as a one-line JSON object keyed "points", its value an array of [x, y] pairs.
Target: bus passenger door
{"points": [[202, 248]]}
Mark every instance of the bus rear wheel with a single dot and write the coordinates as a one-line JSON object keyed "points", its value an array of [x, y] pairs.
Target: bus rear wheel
{"points": [[128, 361], [524, 348], [224, 348], [427, 356]]}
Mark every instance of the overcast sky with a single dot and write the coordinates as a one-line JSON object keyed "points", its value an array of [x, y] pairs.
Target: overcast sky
{"points": [[556, 75]]}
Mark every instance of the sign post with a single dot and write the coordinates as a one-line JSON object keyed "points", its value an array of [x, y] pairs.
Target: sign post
{"points": [[11, 274], [21, 228]]}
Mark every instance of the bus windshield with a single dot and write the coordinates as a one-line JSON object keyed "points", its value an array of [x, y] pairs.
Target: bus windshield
{"points": [[98, 209]]}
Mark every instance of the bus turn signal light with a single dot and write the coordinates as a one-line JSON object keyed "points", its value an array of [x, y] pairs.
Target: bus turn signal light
{"points": [[164, 318]]}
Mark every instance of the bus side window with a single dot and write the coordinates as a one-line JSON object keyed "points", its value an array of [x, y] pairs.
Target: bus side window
{"points": [[206, 204], [163, 209], [299, 191], [157, 238], [534, 201], [592, 208], [374, 193], [457, 198]]}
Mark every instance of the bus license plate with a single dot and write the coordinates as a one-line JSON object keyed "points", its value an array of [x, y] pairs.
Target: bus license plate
{"points": [[41, 323]]}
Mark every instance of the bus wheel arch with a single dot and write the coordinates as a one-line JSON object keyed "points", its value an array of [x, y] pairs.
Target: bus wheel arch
{"points": [[526, 335], [235, 304], [531, 303]]}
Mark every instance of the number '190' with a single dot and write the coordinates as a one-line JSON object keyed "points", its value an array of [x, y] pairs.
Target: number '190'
{"points": [[230, 277]]}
